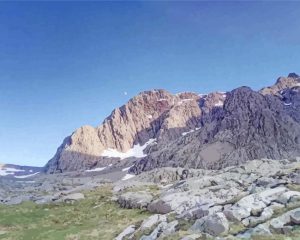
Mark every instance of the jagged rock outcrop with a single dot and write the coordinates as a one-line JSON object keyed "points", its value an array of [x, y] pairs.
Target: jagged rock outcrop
{"points": [[249, 126], [282, 83], [190, 130], [151, 114]]}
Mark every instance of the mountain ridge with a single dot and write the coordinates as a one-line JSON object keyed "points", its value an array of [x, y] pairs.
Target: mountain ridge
{"points": [[165, 117]]}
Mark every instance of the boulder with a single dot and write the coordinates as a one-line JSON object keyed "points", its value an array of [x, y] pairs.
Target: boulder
{"points": [[170, 229], [135, 200], [159, 206], [127, 231], [287, 196], [73, 197], [192, 237], [265, 215], [283, 223], [295, 217], [236, 213], [260, 230], [163, 230], [253, 204], [152, 221], [213, 224]]}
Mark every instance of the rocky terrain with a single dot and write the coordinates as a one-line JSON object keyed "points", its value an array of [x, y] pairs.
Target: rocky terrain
{"points": [[259, 199], [223, 165], [211, 131]]}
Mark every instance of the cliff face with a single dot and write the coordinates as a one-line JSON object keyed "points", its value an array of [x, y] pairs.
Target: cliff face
{"points": [[153, 114], [190, 130], [249, 126]]}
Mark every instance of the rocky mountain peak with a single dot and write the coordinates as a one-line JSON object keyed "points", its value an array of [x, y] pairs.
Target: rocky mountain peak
{"points": [[187, 129], [293, 75], [155, 114], [282, 83]]}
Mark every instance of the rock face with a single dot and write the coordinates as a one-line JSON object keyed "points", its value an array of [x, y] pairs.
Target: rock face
{"points": [[282, 83], [189, 130], [249, 126], [151, 114]]}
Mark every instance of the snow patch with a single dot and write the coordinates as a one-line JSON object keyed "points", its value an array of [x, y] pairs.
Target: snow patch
{"points": [[219, 104], [96, 169], [137, 151], [27, 176], [149, 116], [185, 133], [127, 176], [287, 104], [9, 171], [126, 169], [162, 99], [191, 131]]}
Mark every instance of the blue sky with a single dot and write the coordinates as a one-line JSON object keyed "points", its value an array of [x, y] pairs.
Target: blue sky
{"points": [[67, 64]]}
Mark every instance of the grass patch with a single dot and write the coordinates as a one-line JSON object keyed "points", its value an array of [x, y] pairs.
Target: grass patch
{"points": [[236, 228], [96, 217]]}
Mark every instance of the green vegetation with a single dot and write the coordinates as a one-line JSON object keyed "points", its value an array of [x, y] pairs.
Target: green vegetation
{"points": [[236, 228], [96, 217]]}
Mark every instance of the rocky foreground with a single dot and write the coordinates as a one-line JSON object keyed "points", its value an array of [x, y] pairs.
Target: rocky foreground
{"points": [[257, 200]]}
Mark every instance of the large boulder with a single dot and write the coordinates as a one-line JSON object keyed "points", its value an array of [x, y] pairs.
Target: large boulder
{"points": [[213, 224], [253, 204], [73, 197], [135, 199], [127, 231], [152, 221], [160, 206], [163, 229], [295, 217]]}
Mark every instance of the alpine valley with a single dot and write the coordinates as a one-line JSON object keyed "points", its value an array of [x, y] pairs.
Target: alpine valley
{"points": [[223, 165]]}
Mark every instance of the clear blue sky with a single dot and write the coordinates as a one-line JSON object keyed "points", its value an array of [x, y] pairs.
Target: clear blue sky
{"points": [[67, 64]]}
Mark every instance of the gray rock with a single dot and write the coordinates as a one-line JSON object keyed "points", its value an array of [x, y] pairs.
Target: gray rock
{"points": [[260, 230], [228, 137], [295, 217], [265, 215], [73, 197], [163, 229], [284, 198], [170, 229], [159, 206], [236, 213], [135, 199], [214, 224], [152, 221], [127, 231], [253, 204], [192, 237]]}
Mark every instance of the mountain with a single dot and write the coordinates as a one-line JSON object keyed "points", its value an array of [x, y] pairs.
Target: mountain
{"points": [[150, 115], [157, 128]]}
